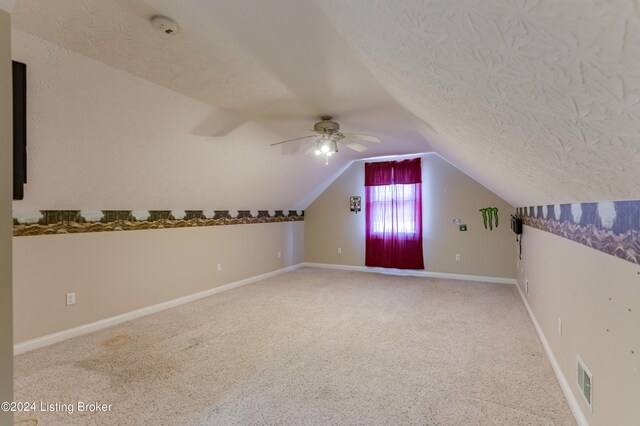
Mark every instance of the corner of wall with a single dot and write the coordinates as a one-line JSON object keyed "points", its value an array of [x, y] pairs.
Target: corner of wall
{"points": [[7, 5]]}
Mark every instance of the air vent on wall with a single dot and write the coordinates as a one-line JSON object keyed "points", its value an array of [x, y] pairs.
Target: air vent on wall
{"points": [[585, 382]]}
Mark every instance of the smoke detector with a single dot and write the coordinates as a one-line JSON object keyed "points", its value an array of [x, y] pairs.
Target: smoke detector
{"points": [[164, 24]]}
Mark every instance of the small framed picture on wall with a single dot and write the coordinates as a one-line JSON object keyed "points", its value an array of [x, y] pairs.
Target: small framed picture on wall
{"points": [[354, 203]]}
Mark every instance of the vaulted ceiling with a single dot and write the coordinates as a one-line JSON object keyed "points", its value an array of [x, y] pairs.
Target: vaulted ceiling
{"points": [[539, 100]]}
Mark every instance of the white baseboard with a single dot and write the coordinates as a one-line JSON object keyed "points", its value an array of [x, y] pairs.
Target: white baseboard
{"points": [[50, 339], [564, 384], [413, 273]]}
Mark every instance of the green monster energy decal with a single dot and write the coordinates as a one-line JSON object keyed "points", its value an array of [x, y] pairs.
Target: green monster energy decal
{"points": [[488, 214]]}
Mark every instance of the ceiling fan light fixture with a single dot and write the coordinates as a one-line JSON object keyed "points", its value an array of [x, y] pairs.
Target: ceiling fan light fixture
{"points": [[327, 137]]}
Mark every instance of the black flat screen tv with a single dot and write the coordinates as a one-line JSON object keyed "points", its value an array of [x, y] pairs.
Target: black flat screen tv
{"points": [[19, 72]]}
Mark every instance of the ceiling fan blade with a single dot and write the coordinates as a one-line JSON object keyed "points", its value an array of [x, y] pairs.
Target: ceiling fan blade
{"points": [[291, 140], [355, 146], [310, 150], [365, 138]]}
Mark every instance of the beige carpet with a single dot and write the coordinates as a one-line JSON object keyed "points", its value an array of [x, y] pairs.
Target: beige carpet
{"points": [[310, 347]]}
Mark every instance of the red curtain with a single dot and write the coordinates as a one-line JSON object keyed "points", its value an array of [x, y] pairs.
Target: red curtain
{"points": [[393, 196]]}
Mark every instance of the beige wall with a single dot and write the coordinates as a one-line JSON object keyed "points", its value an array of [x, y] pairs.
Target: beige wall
{"points": [[117, 272], [591, 292], [6, 189], [102, 138], [448, 194]]}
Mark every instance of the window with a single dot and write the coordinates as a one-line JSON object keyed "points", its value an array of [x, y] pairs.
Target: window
{"points": [[393, 192], [384, 197]]}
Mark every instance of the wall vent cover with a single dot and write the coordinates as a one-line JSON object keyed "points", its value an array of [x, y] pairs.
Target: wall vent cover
{"points": [[585, 381]]}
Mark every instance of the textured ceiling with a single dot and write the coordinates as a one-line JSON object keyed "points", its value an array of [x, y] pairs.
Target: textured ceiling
{"points": [[277, 62], [538, 100]]}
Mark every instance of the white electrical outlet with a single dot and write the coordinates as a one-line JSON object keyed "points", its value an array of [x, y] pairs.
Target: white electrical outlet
{"points": [[521, 270], [457, 257], [526, 286], [560, 327], [339, 250], [219, 267], [279, 254], [71, 299]]}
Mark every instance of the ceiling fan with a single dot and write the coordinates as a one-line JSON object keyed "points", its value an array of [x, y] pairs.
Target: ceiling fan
{"points": [[329, 136]]}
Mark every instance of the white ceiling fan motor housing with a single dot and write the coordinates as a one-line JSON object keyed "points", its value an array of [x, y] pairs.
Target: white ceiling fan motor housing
{"points": [[164, 24]]}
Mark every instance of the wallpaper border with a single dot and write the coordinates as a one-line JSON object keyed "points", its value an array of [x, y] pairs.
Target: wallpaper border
{"points": [[56, 222], [610, 227]]}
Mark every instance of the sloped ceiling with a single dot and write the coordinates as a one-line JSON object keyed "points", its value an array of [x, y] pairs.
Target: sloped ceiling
{"points": [[275, 66], [537, 100]]}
